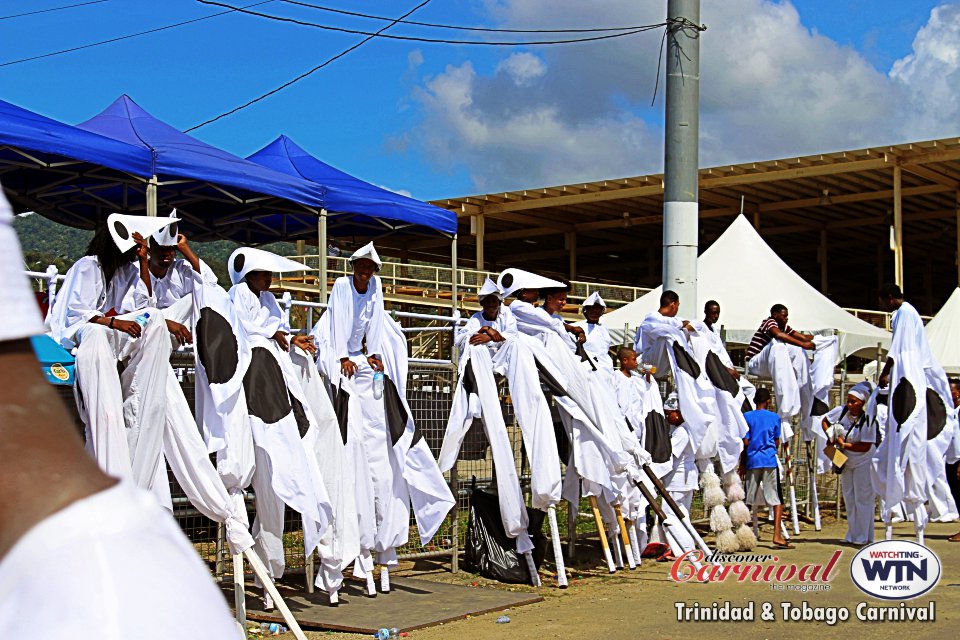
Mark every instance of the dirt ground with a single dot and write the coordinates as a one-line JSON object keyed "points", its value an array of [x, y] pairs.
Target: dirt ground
{"points": [[641, 603]]}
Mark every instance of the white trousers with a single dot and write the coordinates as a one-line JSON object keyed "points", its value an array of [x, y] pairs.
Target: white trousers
{"points": [[680, 539], [860, 501], [787, 366]]}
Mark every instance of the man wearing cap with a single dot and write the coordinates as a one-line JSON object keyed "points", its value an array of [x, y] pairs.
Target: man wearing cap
{"points": [[98, 535], [851, 431], [598, 340], [366, 358], [123, 414]]}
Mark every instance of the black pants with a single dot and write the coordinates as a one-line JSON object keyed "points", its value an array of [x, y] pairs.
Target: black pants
{"points": [[954, 482]]}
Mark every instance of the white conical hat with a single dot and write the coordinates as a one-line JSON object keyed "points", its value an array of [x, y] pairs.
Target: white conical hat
{"points": [[592, 299], [167, 237], [672, 403], [123, 226], [21, 315], [512, 280], [489, 288], [246, 259], [369, 252]]}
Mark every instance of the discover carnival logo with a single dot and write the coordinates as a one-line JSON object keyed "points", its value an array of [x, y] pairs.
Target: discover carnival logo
{"points": [[895, 569]]}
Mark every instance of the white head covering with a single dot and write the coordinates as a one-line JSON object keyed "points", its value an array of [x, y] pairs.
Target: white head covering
{"points": [[513, 280], [672, 403], [489, 288], [245, 259], [369, 252], [21, 315], [861, 390], [592, 299], [122, 227], [167, 237]]}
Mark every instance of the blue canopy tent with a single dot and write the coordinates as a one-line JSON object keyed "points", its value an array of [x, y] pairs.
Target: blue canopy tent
{"points": [[351, 206], [46, 165]]}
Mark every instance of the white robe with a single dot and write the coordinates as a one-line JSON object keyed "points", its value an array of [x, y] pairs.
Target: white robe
{"points": [[858, 494], [286, 470], [598, 344], [476, 397], [404, 471], [123, 570]]}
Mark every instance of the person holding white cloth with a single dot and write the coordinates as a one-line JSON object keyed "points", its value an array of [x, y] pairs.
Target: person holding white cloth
{"points": [[848, 428]]}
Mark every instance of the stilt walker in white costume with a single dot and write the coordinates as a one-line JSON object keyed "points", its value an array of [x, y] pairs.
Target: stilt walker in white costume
{"points": [[603, 449], [399, 462], [850, 430], [598, 340], [918, 425], [480, 341], [277, 409], [98, 535], [123, 414], [638, 396]]}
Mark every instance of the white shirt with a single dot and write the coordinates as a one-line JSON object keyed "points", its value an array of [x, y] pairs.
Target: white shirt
{"points": [[260, 315], [113, 566], [648, 349], [168, 290], [684, 475], [865, 431], [84, 295], [598, 342], [363, 310], [504, 324]]}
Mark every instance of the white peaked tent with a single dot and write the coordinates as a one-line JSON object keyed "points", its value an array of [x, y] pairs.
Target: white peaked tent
{"points": [[943, 334], [743, 274]]}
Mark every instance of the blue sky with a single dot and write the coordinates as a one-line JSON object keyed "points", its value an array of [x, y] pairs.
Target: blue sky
{"points": [[439, 120]]}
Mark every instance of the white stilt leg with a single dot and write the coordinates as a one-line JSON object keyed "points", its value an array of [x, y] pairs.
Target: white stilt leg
{"points": [[384, 579], [614, 544], [816, 502], [755, 520], [888, 533], [793, 510], [239, 596], [625, 538], [634, 543], [532, 568], [783, 530], [602, 531], [261, 572], [557, 551], [334, 596]]}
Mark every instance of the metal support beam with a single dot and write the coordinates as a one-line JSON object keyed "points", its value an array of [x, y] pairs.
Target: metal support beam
{"points": [[681, 153], [897, 227], [152, 197], [322, 253], [454, 276], [957, 257], [571, 242], [824, 282], [479, 229]]}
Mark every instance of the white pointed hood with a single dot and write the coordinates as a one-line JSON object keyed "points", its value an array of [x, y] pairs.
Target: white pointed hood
{"points": [[369, 252], [246, 259], [513, 280], [167, 236], [592, 299], [489, 288], [123, 226]]}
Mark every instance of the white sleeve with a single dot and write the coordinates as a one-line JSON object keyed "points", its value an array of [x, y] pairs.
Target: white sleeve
{"points": [[80, 298], [255, 319], [466, 331]]}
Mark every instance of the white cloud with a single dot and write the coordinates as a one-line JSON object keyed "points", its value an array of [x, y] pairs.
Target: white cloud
{"points": [[770, 87]]}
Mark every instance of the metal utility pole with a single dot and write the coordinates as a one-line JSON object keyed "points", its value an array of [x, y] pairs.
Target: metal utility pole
{"points": [[682, 154]]}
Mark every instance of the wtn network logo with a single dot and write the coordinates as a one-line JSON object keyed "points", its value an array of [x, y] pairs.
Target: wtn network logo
{"points": [[895, 569]]}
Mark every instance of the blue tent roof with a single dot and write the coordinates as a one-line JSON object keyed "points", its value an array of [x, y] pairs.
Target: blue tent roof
{"points": [[343, 193], [51, 141], [178, 155]]}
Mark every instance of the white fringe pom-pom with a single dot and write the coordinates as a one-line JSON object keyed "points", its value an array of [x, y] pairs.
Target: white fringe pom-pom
{"points": [[731, 478], [727, 542], [745, 538], [719, 520], [735, 492], [709, 479], [712, 497], [739, 513]]}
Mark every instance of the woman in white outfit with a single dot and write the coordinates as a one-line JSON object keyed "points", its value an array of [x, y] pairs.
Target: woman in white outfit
{"points": [[852, 433]]}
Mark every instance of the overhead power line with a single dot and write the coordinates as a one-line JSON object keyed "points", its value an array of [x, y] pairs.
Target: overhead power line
{"points": [[68, 6], [311, 71], [489, 43], [454, 27], [127, 36]]}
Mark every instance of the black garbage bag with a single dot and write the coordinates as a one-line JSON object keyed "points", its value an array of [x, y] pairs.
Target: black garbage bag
{"points": [[489, 551]]}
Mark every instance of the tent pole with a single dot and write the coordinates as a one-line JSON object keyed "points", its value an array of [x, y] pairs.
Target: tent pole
{"points": [[322, 253], [454, 276], [152, 197], [572, 249], [824, 282], [897, 227], [479, 223]]}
